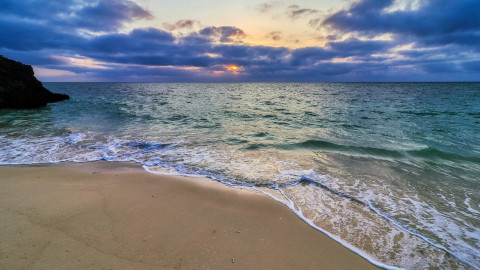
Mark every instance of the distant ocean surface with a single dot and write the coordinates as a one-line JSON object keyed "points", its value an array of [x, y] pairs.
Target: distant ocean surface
{"points": [[390, 170]]}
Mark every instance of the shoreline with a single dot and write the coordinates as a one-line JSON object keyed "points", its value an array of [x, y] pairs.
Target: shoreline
{"points": [[116, 215]]}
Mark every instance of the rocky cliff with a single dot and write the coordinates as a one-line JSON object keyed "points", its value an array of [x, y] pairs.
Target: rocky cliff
{"points": [[20, 89]]}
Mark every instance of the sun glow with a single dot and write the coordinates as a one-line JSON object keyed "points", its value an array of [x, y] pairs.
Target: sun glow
{"points": [[232, 68]]}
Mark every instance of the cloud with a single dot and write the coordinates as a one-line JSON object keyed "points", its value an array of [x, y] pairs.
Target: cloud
{"points": [[439, 68], [51, 36], [181, 24], [436, 21], [252, 55], [472, 66], [224, 33], [92, 15], [295, 12], [107, 15], [275, 35], [268, 6], [315, 22], [144, 40], [35, 58], [356, 47], [126, 73], [339, 49], [310, 55], [26, 35]]}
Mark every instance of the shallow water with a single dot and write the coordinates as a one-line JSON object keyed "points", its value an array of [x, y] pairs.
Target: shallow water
{"points": [[391, 170]]}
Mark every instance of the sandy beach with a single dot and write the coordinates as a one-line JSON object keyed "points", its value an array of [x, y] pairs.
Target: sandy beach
{"points": [[106, 215]]}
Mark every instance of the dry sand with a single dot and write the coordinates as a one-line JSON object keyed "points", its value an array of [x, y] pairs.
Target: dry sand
{"points": [[106, 215]]}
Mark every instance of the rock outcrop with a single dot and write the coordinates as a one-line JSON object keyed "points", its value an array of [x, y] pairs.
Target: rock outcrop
{"points": [[20, 89]]}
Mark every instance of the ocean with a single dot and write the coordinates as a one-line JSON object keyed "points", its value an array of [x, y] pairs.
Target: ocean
{"points": [[389, 170]]}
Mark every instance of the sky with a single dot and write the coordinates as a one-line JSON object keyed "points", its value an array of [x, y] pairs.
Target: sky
{"points": [[244, 41]]}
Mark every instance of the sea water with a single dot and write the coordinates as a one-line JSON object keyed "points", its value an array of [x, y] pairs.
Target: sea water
{"points": [[390, 170]]}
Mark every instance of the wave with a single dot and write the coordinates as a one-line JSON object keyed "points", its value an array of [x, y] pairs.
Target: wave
{"points": [[431, 153], [427, 154], [328, 146]]}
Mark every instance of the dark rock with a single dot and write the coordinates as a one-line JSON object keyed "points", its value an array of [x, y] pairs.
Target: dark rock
{"points": [[20, 89]]}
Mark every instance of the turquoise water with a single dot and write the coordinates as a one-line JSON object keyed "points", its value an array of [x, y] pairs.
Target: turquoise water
{"points": [[391, 170]]}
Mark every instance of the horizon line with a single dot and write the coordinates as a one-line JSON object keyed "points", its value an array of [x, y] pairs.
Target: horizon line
{"points": [[263, 82]]}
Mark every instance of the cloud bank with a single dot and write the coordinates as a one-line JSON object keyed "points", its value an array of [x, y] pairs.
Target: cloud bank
{"points": [[371, 41]]}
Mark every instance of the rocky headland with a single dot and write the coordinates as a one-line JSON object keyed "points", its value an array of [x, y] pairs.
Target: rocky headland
{"points": [[20, 89]]}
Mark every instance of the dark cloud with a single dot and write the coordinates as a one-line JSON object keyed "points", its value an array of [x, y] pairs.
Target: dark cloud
{"points": [[353, 46], [439, 68], [338, 49], [472, 66], [127, 73], [35, 9], [93, 15], [159, 60], [107, 15], [250, 55], [437, 21], [310, 55], [146, 40], [34, 58], [25, 35], [439, 53], [470, 38]]}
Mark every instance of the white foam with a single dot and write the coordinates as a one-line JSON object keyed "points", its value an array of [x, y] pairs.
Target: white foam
{"points": [[295, 209], [236, 168], [469, 207]]}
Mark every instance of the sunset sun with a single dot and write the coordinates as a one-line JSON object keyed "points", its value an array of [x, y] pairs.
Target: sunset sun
{"points": [[232, 68]]}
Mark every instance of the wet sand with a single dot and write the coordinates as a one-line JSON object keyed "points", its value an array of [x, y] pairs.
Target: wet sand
{"points": [[106, 215]]}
